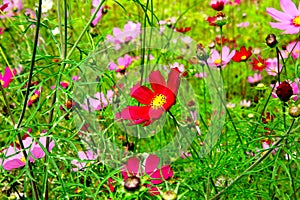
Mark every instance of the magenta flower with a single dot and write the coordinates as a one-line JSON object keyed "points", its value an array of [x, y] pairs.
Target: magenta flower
{"points": [[134, 167], [288, 20], [255, 78], [12, 8], [215, 59], [84, 158], [272, 67], [123, 63], [7, 77], [98, 102], [34, 97], [131, 31]]}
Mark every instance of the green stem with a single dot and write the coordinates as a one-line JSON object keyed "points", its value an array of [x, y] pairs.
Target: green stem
{"points": [[263, 157]]}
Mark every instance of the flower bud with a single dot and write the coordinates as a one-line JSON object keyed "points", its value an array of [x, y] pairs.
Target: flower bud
{"points": [[271, 40], [294, 111], [201, 53], [284, 91], [132, 183]]}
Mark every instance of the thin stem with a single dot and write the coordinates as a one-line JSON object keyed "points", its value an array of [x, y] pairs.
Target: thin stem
{"points": [[263, 157], [84, 30]]}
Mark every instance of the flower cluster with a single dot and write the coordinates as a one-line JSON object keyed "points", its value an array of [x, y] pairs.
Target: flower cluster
{"points": [[14, 157]]}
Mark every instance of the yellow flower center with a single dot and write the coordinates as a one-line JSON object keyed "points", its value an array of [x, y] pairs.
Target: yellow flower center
{"points": [[121, 67], [34, 97], [158, 101], [1, 82], [296, 21], [23, 159], [218, 61], [259, 64], [243, 57]]}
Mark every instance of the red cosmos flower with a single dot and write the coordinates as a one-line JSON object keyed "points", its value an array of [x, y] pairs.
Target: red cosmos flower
{"points": [[258, 64], [217, 5], [212, 20], [242, 55], [183, 30], [157, 101]]}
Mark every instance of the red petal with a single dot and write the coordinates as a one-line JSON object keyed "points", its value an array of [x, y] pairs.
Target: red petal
{"points": [[157, 81], [141, 93], [173, 81]]}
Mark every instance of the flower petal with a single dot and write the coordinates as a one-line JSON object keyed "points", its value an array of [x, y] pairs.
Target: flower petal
{"points": [[151, 163], [163, 174], [157, 81], [142, 94], [132, 166], [289, 8], [173, 81]]}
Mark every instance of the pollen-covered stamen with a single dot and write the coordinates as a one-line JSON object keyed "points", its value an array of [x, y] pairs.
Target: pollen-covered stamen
{"points": [[23, 159], [217, 61], [34, 97], [296, 21], [121, 67], [259, 64], [158, 101], [1, 82], [243, 57]]}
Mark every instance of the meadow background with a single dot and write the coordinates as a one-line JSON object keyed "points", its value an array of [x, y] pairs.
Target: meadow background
{"points": [[43, 70]]}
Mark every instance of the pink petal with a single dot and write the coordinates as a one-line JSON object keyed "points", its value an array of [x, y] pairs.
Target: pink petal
{"points": [[277, 15], [289, 8], [160, 175], [133, 165], [151, 163], [173, 81]]}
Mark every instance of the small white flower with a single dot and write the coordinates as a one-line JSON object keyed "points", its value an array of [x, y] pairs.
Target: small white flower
{"points": [[46, 5], [245, 103], [55, 31]]}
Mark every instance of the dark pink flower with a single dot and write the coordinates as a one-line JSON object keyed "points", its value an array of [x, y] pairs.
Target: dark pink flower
{"points": [[7, 77], [123, 63], [34, 97], [134, 167]]}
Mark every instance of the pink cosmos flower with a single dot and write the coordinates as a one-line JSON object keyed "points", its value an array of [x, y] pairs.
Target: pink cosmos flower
{"points": [[84, 158], [134, 167], [272, 66], [267, 144], [100, 13], [98, 102], [34, 97], [292, 48], [243, 24], [7, 77], [14, 158], [288, 20], [215, 59], [255, 78], [294, 86], [12, 8], [200, 75], [123, 63], [179, 67], [131, 31]]}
